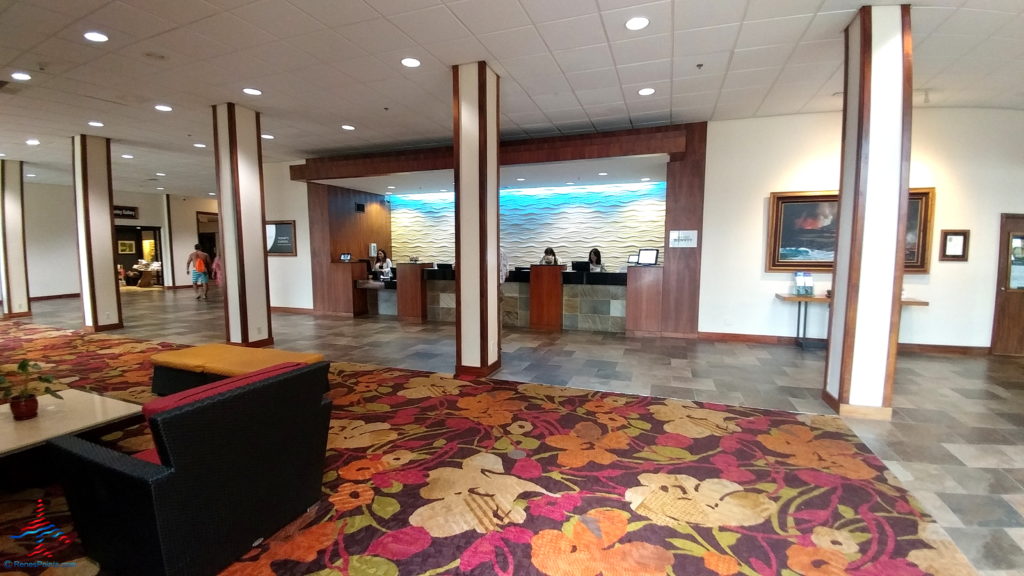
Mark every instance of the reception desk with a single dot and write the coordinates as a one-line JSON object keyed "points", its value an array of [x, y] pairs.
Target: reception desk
{"points": [[546, 297], [412, 291]]}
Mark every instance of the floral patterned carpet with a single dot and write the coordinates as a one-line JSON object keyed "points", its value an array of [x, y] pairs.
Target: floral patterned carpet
{"points": [[426, 474]]}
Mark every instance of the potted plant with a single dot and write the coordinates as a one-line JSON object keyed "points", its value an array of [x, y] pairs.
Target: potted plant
{"points": [[20, 387]]}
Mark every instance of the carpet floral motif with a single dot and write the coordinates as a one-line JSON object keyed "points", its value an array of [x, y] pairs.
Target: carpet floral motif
{"points": [[427, 474]]}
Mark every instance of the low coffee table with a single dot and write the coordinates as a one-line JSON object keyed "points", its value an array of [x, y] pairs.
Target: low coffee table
{"points": [[77, 412]]}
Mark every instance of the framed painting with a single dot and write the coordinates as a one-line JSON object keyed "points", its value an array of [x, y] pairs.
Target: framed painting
{"points": [[802, 230], [954, 245], [280, 237], [126, 247]]}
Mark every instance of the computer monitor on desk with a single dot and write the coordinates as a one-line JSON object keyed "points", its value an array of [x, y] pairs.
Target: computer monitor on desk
{"points": [[443, 266], [631, 259], [581, 266], [647, 257]]}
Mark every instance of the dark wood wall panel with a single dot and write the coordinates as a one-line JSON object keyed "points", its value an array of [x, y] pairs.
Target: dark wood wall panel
{"points": [[546, 298], [684, 210], [644, 289], [353, 231], [412, 291]]}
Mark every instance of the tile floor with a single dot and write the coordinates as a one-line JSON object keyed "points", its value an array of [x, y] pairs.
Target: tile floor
{"points": [[956, 438]]}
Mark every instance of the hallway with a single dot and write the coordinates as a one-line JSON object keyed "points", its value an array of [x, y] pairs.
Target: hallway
{"points": [[956, 439]]}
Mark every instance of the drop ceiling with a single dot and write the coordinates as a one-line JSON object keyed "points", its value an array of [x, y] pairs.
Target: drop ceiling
{"points": [[566, 67]]}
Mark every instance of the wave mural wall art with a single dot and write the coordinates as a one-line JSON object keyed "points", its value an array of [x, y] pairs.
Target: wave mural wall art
{"points": [[617, 219]]}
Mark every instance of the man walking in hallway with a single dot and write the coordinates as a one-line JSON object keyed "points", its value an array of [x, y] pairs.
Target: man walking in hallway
{"points": [[199, 263]]}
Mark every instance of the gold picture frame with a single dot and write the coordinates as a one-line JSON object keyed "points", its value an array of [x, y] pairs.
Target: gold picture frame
{"points": [[126, 247]]}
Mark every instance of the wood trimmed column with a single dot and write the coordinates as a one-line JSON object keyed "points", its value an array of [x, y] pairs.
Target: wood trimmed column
{"points": [[477, 317], [243, 250], [13, 261], [865, 320], [94, 201]]}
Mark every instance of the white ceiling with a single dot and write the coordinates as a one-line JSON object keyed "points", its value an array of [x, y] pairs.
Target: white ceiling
{"points": [[567, 67]]}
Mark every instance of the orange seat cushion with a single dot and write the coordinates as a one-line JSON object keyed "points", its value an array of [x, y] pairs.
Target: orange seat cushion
{"points": [[228, 360]]}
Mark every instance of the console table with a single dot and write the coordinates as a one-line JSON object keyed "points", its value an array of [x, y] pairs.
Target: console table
{"points": [[801, 315]]}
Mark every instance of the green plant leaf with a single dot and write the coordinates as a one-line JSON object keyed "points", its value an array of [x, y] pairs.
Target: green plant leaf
{"points": [[372, 566], [385, 507]]}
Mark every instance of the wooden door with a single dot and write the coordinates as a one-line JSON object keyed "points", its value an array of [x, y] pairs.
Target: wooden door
{"points": [[1008, 324]]}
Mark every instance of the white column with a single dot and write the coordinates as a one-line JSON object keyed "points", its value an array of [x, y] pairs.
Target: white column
{"points": [[872, 212], [243, 248], [13, 265], [94, 200], [477, 317]]}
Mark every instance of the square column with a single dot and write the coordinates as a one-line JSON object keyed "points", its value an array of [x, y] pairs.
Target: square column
{"points": [[477, 316], [243, 250], [13, 263], [94, 202], [873, 197]]}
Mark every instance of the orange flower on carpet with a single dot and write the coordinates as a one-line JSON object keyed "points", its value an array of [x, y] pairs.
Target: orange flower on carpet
{"points": [[720, 563], [431, 386], [586, 547], [606, 404], [811, 561], [303, 547], [379, 377], [612, 420], [834, 456], [358, 434], [362, 469], [586, 444], [492, 408], [556, 391], [350, 495], [343, 397]]}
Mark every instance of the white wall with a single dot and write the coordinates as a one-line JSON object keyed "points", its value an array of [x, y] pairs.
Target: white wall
{"points": [[290, 277], [184, 232], [972, 158], [51, 240], [151, 209]]}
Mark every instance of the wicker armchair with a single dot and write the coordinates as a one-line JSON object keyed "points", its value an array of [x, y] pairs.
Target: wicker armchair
{"points": [[236, 467]]}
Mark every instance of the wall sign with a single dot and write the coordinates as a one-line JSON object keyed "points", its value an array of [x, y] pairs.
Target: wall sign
{"points": [[126, 212], [682, 239], [280, 237]]}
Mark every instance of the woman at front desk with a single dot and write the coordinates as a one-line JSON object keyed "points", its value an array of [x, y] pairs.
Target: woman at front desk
{"points": [[382, 265], [549, 257], [595, 261]]}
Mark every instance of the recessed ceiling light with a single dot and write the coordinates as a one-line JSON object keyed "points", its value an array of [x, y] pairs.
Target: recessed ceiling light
{"points": [[252, 91], [199, 145], [127, 156], [95, 36], [520, 179], [163, 107], [410, 62], [391, 187], [96, 124], [21, 76], [267, 136], [444, 189], [347, 127], [645, 91], [30, 175], [159, 187], [602, 173], [2, 154], [637, 23], [645, 179], [211, 193], [32, 142], [388, 193], [161, 174], [570, 183]]}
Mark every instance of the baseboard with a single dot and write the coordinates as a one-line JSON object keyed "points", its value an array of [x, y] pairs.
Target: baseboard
{"points": [[55, 297], [293, 310], [255, 343], [103, 328], [940, 349], [16, 315], [831, 400], [866, 412], [478, 371], [749, 338]]}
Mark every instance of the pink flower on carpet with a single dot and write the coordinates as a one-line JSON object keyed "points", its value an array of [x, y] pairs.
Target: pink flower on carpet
{"points": [[387, 479], [729, 466], [889, 567], [554, 507], [400, 544], [674, 440], [486, 549], [759, 423], [527, 468]]}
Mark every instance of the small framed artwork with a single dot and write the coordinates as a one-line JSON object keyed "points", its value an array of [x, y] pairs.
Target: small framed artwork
{"points": [[280, 237], [126, 247], [955, 244], [920, 210]]}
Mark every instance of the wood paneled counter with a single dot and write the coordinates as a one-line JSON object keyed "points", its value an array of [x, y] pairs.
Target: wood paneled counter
{"points": [[546, 297], [412, 291]]}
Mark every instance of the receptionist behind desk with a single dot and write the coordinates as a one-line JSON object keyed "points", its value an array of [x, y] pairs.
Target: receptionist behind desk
{"points": [[549, 257], [382, 265], [595, 261]]}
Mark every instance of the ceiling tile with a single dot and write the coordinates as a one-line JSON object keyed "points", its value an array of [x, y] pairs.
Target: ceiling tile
{"points": [[646, 72], [547, 11], [461, 51], [659, 14], [946, 46], [599, 96], [999, 49], [1008, 6], [695, 114], [607, 109], [393, 7], [706, 40], [365, 69], [230, 30], [820, 51], [701, 64], [696, 84], [128, 19], [531, 66], [925, 19], [376, 36], [774, 31], [818, 72], [781, 8], [327, 46], [614, 123], [750, 78], [24, 26], [593, 79], [77, 9], [649, 104], [568, 115], [787, 99], [573, 33], [829, 26], [334, 13], [586, 58], [483, 16], [186, 42], [431, 25], [514, 43], [694, 99], [975, 22], [279, 18], [762, 57], [703, 14], [642, 49], [663, 89], [179, 11]]}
